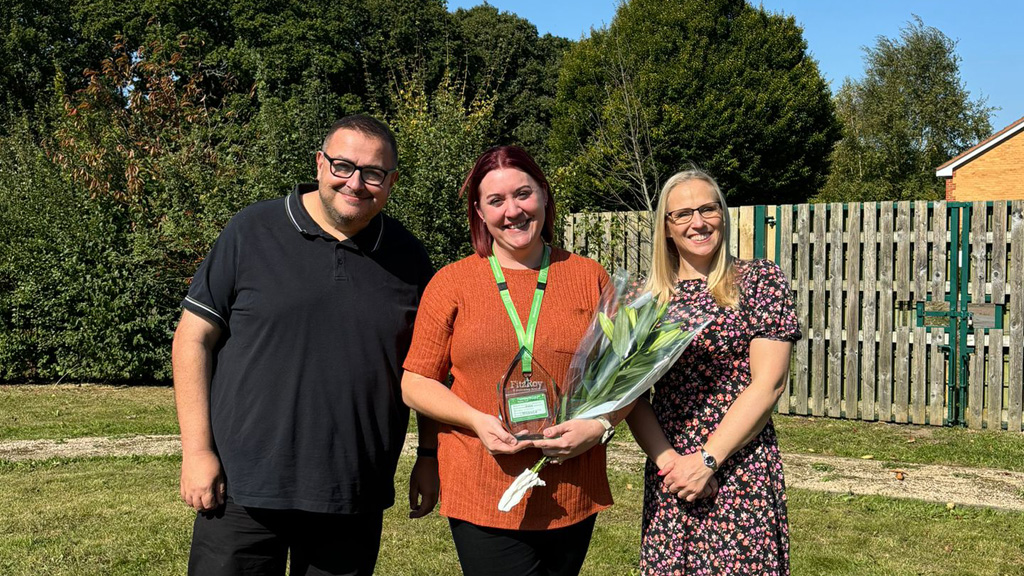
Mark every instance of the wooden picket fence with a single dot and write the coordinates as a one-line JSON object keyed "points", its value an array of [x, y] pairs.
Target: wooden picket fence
{"points": [[911, 311]]}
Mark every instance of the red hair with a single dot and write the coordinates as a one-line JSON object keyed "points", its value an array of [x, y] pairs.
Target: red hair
{"points": [[497, 158]]}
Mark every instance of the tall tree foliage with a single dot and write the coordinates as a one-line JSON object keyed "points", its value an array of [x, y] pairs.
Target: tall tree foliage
{"points": [[719, 83], [131, 130], [404, 35], [39, 40], [440, 133], [503, 54], [909, 114]]}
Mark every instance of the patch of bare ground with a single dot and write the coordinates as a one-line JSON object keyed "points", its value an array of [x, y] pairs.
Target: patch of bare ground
{"points": [[949, 484], [18, 450], [959, 485]]}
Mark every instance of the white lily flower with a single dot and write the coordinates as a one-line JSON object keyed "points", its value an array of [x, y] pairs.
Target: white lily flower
{"points": [[521, 485]]}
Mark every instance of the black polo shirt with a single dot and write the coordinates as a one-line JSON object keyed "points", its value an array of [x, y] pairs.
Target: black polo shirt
{"points": [[306, 403]]}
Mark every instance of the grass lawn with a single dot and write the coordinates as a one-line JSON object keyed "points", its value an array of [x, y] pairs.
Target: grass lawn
{"points": [[70, 411], [121, 516], [901, 442], [96, 516]]}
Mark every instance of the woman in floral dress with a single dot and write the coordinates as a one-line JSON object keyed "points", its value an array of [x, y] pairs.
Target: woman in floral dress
{"points": [[714, 497]]}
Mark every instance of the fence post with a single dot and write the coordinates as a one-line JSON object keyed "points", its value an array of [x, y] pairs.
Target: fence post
{"points": [[760, 224]]}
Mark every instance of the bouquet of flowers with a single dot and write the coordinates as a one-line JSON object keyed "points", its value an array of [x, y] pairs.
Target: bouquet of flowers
{"points": [[626, 349]]}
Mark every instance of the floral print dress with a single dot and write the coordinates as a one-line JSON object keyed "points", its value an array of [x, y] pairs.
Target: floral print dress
{"points": [[743, 530]]}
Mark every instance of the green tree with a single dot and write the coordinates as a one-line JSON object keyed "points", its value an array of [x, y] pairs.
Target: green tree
{"points": [[38, 40], [279, 48], [143, 125], [503, 53], [721, 84], [439, 137], [111, 204], [909, 114], [404, 35]]}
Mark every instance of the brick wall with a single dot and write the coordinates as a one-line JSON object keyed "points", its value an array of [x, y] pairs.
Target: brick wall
{"points": [[998, 174]]}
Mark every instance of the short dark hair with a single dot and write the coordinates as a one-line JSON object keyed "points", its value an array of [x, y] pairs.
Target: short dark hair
{"points": [[367, 125], [495, 159]]}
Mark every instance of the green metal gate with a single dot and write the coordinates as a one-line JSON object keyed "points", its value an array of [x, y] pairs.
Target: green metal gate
{"points": [[965, 321]]}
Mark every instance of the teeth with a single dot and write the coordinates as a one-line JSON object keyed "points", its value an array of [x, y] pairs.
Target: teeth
{"points": [[518, 226], [700, 237]]}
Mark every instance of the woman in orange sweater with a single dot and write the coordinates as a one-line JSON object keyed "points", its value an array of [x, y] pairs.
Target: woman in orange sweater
{"points": [[464, 328]]}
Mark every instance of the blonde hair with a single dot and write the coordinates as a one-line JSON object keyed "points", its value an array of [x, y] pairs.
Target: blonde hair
{"points": [[663, 276]]}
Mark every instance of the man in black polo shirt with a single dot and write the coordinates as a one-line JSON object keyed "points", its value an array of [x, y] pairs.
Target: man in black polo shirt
{"points": [[287, 368]]}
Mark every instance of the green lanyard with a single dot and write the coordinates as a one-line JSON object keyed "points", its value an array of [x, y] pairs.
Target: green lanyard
{"points": [[525, 339]]}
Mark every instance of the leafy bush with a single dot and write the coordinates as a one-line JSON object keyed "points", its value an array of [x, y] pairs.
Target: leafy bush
{"points": [[75, 301], [439, 138], [108, 209], [115, 193]]}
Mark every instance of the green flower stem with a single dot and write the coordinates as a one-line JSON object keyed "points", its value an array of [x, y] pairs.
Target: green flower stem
{"points": [[536, 468]]}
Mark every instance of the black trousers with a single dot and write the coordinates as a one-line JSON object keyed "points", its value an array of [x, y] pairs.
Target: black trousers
{"points": [[236, 540], [494, 552]]}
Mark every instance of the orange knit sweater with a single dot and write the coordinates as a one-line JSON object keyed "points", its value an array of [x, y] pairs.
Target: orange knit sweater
{"points": [[462, 328]]}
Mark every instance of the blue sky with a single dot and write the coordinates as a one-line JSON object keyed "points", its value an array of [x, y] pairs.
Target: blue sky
{"points": [[987, 32]]}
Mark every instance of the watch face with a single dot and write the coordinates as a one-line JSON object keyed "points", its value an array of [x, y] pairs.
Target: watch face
{"points": [[709, 460]]}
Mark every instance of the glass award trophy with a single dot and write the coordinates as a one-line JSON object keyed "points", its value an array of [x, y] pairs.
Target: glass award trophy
{"points": [[529, 399]]}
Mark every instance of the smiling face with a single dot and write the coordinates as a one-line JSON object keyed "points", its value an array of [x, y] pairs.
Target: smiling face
{"points": [[511, 205], [696, 241], [349, 204]]}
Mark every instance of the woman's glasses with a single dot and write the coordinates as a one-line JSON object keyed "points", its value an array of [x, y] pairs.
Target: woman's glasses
{"points": [[712, 211]]}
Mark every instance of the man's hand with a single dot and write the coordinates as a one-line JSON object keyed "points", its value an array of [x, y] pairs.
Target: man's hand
{"points": [[424, 487], [202, 481]]}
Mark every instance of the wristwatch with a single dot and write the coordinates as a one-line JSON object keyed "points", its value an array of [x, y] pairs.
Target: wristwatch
{"points": [[709, 460], [609, 430]]}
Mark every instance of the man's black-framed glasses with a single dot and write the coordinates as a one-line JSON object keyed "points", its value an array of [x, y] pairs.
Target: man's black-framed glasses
{"points": [[345, 169], [711, 211]]}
